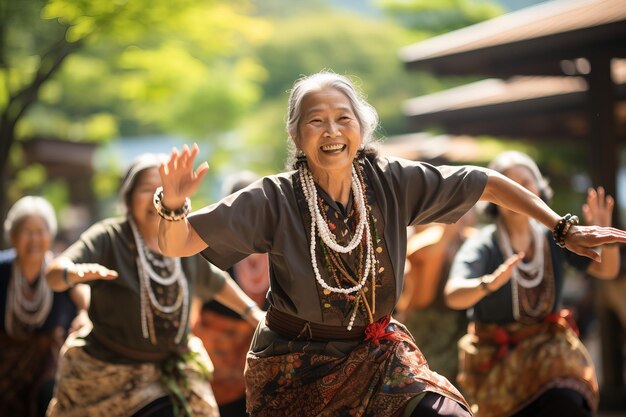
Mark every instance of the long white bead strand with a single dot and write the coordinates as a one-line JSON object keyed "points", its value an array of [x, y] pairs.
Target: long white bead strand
{"points": [[324, 231], [308, 187]]}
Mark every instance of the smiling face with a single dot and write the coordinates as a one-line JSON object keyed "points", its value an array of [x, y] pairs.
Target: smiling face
{"points": [[329, 132], [141, 205], [32, 239]]}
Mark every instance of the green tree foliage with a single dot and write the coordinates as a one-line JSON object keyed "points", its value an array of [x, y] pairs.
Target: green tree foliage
{"points": [[432, 17], [363, 48], [93, 70], [310, 36]]}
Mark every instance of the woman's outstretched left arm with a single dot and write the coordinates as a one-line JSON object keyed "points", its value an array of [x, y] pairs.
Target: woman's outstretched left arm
{"points": [[582, 240]]}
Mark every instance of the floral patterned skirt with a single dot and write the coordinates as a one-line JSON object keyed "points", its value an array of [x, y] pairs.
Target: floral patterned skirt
{"points": [[377, 378], [505, 368], [90, 387]]}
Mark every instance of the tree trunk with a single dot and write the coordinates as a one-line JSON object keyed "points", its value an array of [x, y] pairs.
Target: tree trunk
{"points": [[17, 106]]}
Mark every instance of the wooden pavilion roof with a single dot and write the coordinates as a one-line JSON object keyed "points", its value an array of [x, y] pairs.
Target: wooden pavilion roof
{"points": [[515, 107], [555, 34]]}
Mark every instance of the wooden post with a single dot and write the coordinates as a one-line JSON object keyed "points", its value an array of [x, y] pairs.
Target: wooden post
{"points": [[604, 153]]}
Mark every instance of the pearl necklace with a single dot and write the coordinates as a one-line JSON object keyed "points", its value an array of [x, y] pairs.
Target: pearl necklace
{"points": [[534, 268], [165, 263], [310, 191], [33, 312], [147, 274], [317, 222]]}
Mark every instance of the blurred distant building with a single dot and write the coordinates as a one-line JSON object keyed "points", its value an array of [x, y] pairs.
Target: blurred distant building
{"points": [[70, 162]]}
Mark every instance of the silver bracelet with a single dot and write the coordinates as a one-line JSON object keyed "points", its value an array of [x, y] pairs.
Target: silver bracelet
{"points": [[168, 214]]}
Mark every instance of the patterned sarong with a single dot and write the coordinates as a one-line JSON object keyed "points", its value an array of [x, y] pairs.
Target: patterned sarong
{"points": [[90, 387], [377, 378], [26, 367], [504, 368]]}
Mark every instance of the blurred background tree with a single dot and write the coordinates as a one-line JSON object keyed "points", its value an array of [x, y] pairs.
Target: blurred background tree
{"points": [[87, 70], [132, 75], [310, 36]]}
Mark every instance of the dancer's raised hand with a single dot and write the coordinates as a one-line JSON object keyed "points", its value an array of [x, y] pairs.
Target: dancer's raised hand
{"points": [[178, 177], [598, 209]]}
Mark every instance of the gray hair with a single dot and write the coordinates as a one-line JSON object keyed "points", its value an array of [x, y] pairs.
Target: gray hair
{"points": [[27, 207], [364, 112], [510, 159], [140, 163]]}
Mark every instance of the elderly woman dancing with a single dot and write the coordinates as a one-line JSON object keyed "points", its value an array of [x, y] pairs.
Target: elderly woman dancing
{"points": [[34, 320], [522, 356], [138, 360], [335, 231]]}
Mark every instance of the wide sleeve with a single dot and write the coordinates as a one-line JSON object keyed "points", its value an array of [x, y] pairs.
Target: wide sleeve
{"points": [[240, 224], [426, 193]]}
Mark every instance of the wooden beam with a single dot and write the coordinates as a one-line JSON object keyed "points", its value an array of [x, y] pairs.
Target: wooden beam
{"points": [[601, 104]]}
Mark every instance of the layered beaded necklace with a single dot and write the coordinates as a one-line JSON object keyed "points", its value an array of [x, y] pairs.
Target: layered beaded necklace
{"points": [[30, 310], [527, 275], [150, 303], [362, 233]]}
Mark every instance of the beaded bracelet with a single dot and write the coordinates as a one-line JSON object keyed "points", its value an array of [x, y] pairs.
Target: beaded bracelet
{"points": [[168, 214], [66, 278], [559, 233]]}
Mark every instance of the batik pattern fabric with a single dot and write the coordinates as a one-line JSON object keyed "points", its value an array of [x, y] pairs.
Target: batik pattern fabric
{"points": [[91, 387], [503, 368], [377, 378]]}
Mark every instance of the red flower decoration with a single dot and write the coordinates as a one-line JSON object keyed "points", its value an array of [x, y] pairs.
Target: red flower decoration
{"points": [[503, 339], [331, 226], [564, 318], [377, 331]]}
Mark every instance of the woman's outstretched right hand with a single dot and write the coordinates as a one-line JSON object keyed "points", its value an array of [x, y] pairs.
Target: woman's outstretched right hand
{"points": [[503, 273], [62, 273], [178, 177], [89, 272]]}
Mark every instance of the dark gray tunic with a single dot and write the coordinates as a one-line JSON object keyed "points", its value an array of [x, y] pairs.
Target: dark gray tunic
{"points": [[481, 255], [265, 217], [115, 305]]}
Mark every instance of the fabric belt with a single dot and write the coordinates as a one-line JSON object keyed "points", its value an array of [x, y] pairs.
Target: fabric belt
{"points": [[516, 332], [129, 353], [508, 336], [295, 328]]}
